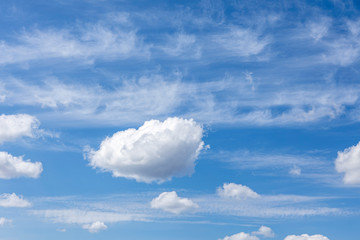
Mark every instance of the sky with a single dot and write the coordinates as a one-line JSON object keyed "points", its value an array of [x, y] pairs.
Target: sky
{"points": [[180, 120]]}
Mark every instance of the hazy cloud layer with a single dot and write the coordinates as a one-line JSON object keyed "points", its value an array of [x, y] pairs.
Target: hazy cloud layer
{"points": [[306, 237]]}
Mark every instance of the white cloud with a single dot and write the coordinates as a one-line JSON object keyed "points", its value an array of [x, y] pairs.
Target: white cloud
{"points": [[265, 232], [295, 170], [14, 167], [95, 227], [240, 236], [85, 42], [78, 216], [306, 237], [182, 44], [4, 221], [242, 42], [171, 202], [12, 200], [238, 191], [319, 28], [348, 162], [156, 151], [15, 126]]}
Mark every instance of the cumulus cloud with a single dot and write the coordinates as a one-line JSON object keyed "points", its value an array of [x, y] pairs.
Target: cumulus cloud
{"points": [[240, 236], [171, 202], [156, 151], [4, 221], [95, 227], [12, 200], [13, 167], [348, 162], [15, 126], [238, 191], [265, 232], [306, 237]]}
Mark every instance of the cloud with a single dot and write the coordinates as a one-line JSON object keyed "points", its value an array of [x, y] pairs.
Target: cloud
{"points": [[12, 200], [86, 42], [15, 126], [348, 162], [95, 227], [241, 42], [265, 232], [240, 236], [182, 44], [14, 167], [156, 151], [295, 170], [238, 191], [78, 216], [171, 202], [4, 221], [306, 237], [319, 28]]}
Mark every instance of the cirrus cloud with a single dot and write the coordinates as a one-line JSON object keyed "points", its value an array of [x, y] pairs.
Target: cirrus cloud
{"points": [[156, 151], [306, 237]]}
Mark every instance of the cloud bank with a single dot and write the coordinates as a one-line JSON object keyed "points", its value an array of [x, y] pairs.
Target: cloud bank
{"points": [[156, 151]]}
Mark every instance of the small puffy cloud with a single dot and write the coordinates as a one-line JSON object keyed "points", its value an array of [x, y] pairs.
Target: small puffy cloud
{"points": [[95, 227], [171, 202], [348, 162], [12, 200], [306, 237], [295, 170], [238, 191], [13, 167], [240, 236], [4, 221], [15, 126], [156, 151], [265, 231]]}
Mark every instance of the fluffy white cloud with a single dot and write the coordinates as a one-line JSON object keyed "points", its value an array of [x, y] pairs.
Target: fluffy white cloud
{"points": [[4, 221], [348, 162], [233, 190], [264, 231], [95, 226], [171, 202], [240, 236], [15, 126], [156, 151], [13, 167], [12, 200], [306, 237]]}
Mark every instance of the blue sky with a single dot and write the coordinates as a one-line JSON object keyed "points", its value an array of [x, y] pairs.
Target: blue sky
{"points": [[154, 120]]}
